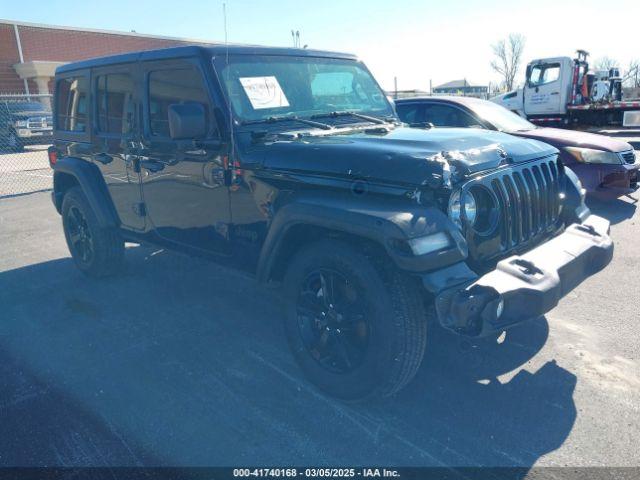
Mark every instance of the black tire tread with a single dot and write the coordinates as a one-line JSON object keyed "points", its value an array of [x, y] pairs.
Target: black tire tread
{"points": [[108, 244], [406, 307], [411, 328]]}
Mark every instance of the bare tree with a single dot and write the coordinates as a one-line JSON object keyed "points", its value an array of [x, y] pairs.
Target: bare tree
{"points": [[605, 63], [508, 55], [631, 77]]}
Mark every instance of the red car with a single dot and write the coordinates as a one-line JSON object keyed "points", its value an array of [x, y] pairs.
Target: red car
{"points": [[600, 162]]}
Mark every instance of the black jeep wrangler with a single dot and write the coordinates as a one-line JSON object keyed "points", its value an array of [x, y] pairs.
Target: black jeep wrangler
{"points": [[292, 164]]}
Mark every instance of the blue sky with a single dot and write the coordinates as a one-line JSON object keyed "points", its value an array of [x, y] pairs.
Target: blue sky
{"points": [[417, 41]]}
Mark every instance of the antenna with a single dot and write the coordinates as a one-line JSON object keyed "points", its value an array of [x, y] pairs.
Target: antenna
{"points": [[226, 45]]}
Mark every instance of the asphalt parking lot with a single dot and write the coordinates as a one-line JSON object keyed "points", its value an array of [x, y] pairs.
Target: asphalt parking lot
{"points": [[181, 362]]}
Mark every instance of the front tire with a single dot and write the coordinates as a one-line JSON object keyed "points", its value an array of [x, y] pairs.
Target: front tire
{"points": [[14, 143], [356, 330], [96, 251]]}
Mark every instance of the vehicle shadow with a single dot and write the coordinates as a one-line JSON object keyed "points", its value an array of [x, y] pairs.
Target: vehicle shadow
{"points": [[615, 210], [187, 362]]}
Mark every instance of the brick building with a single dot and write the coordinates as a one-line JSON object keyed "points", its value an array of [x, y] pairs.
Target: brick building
{"points": [[30, 53]]}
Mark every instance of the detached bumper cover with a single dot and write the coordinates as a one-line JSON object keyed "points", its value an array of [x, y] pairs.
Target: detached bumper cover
{"points": [[529, 285]]}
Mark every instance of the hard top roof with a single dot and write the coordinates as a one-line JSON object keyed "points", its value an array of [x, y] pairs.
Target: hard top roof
{"points": [[194, 50]]}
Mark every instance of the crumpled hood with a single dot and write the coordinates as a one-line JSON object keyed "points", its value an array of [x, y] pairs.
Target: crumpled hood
{"points": [[402, 155], [573, 138]]}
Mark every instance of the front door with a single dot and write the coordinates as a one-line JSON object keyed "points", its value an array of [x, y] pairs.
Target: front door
{"points": [[116, 140], [542, 92], [187, 202]]}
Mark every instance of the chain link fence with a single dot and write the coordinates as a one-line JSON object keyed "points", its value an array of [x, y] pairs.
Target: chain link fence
{"points": [[26, 127]]}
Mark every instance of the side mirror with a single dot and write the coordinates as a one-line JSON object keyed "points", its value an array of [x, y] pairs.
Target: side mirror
{"points": [[187, 121]]}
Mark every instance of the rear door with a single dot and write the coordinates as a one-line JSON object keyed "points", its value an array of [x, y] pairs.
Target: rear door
{"points": [[116, 139], [542, 92], [186, 199]]}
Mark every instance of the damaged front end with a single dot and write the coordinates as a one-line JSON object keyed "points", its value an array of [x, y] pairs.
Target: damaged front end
{"points": [[525, 286], [530, 240]]}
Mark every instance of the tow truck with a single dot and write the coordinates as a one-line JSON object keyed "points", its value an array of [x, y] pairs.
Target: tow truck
{"points": [[562, 91]]}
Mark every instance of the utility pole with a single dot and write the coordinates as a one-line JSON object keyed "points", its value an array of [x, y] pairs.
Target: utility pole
{"points": [[395, 87], [295, 37]]}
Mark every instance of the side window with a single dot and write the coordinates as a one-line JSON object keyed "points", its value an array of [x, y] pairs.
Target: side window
{"points": [[544, 73], [410, 113], [71, 107], [447, 116], [115, 106], [167, 87]]}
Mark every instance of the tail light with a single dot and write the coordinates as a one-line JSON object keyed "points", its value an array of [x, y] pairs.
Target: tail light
{"points": [[52, 153]]}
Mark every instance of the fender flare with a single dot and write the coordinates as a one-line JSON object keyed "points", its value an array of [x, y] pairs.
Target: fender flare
{"points": [[90, 179], [376, 219]]}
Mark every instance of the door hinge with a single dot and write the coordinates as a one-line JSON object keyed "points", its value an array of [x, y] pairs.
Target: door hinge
{"points": [[140, 209]]}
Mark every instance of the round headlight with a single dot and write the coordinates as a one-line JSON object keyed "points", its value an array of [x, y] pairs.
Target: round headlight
{"points": [[466, 204], [470, 208]]}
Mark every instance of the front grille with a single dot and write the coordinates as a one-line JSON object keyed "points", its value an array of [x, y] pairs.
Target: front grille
{"points": [[525, 207], [39, 122], [529, 201], [629, 157]]}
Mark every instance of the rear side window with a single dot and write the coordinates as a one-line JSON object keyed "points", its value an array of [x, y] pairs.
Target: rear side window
{"points": [[115, 104], [167, 87], [446, 116], [71, 107], [410, 112]]}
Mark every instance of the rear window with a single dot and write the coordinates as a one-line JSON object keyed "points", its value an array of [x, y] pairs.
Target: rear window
{"points": [[71, 106], [115, 103]]}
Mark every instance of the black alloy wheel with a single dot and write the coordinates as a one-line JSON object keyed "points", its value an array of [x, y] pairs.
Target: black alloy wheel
{"points": [[80, 238], [333, 321]]}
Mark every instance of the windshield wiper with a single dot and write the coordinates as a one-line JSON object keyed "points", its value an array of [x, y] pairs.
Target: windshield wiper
{"points": [[290, 118], [346, 113]]}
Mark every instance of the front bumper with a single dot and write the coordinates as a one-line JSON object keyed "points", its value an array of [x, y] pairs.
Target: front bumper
{"points": [[34, 133], [624, 177], [527, 286]]}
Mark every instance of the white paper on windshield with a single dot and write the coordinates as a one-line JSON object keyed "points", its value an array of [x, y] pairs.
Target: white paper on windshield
{"points": [[264, 92]]}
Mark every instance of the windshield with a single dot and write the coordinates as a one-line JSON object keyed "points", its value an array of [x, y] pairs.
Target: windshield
{"points": [[265, 86], [26, 107], [501, 118]]}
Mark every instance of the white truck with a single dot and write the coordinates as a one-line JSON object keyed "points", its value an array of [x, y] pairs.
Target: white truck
{"points": [[563, 91]]}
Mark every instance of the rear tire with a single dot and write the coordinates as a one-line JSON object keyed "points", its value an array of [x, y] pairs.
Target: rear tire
{"points": [[96, 251], [377, 351]]}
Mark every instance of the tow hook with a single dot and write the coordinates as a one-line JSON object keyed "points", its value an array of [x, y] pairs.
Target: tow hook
{"points": [[588, 229], [526, 267]]}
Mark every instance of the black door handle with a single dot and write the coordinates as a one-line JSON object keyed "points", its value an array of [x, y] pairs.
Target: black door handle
{"points": [[152, 165], [103, 158]]}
